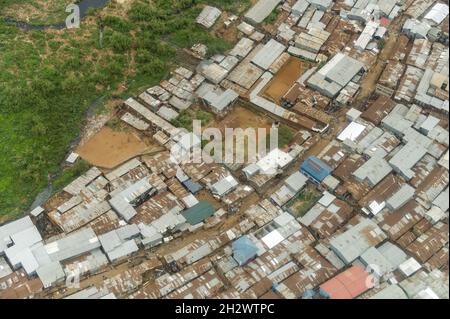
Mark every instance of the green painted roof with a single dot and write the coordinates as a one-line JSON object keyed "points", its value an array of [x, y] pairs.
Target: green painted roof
{"points": [[198, 213]]}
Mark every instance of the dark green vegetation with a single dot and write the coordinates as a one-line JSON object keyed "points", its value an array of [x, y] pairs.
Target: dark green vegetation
{"points": [[380, 44], [49, 79], [273, 16], [69, 174], [285, 136]]}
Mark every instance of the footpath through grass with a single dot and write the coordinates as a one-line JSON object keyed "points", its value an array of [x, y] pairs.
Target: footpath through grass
{"points": [[48, 80]]}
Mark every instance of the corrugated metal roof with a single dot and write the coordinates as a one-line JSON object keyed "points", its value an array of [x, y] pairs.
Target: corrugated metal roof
{"points": [[347, 285], [268, 54], [198, 212], [315, 168], [355, 241], [261, 10], [244, 250]]}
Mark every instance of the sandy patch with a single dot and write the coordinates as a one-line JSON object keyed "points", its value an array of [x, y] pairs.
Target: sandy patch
{"points": [[109, 148]]}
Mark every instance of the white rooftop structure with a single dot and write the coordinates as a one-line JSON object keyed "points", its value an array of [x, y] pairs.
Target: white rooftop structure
{"points": [[351, 132], [261, 10], [37, 211], [272, 239], [218, 99], [172, 220], [373, 171], [208, 16], [405, 159], [122, 203], [409, 267], [296, 181], [335, 75], [50, 273], [390, 292], [72, 158], [189, 141], [5, 270], [242, 48], [355, 241], [401, 197], [273, 161], [12, 228], [72, 245], [268, 54], [437, 13], [224, 186], [366, 35]]}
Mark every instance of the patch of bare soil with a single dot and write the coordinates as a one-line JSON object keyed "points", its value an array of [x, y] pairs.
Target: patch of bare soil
{"points": [[285, 78], [241, 117], [109, 148]]}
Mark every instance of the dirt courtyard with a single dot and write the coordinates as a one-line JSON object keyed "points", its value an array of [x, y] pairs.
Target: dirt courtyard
{"points": [[109, 148], [285, 78], [242, 117]]}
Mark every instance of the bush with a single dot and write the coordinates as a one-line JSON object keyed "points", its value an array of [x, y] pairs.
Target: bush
{"points": [[203, 116], [183, 120], [380, 44], [119, 42], [117, 24]]}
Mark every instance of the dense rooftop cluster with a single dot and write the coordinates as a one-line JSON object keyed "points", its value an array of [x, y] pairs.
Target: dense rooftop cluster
{"points": [[362, 213]]}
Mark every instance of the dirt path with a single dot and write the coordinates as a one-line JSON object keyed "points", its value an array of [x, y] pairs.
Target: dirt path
{"points": [[370, 80]]}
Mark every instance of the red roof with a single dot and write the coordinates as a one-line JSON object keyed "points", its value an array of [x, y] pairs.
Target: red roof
{"points": [[384, 22], [348, 284]]}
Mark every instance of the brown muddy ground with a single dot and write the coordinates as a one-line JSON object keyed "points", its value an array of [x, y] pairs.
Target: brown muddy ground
{"points": [[285, 78], [110, 148], [242, 117]]}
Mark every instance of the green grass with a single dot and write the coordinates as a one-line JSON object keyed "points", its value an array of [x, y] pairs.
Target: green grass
{"points": [[49, 79], [304, 201], [285, 137], [185, 118], [272, 17]]}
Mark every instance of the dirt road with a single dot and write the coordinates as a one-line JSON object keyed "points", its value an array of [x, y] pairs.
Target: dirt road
{"points": [[369, 82]]}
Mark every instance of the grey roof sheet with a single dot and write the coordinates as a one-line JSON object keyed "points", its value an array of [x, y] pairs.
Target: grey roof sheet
{"points": [[73, 245]]}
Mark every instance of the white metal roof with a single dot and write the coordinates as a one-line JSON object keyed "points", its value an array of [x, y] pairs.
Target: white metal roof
{"points": [[438, 13], [272, 239], [351, 132], [409, 267], [274, 160]]}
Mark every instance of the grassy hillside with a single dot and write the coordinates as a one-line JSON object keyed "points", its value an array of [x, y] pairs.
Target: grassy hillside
{"points": [[49, 78], [35, 11]]}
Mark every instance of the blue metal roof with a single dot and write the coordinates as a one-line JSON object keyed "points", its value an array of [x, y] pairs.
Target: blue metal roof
{"points": [[315, 168], [192, 186], [244, 250]]}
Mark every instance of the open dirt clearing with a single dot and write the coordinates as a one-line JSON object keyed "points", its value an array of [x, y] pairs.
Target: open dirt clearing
{"points": [[285, 78], [109, 148], [241, 117]]}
